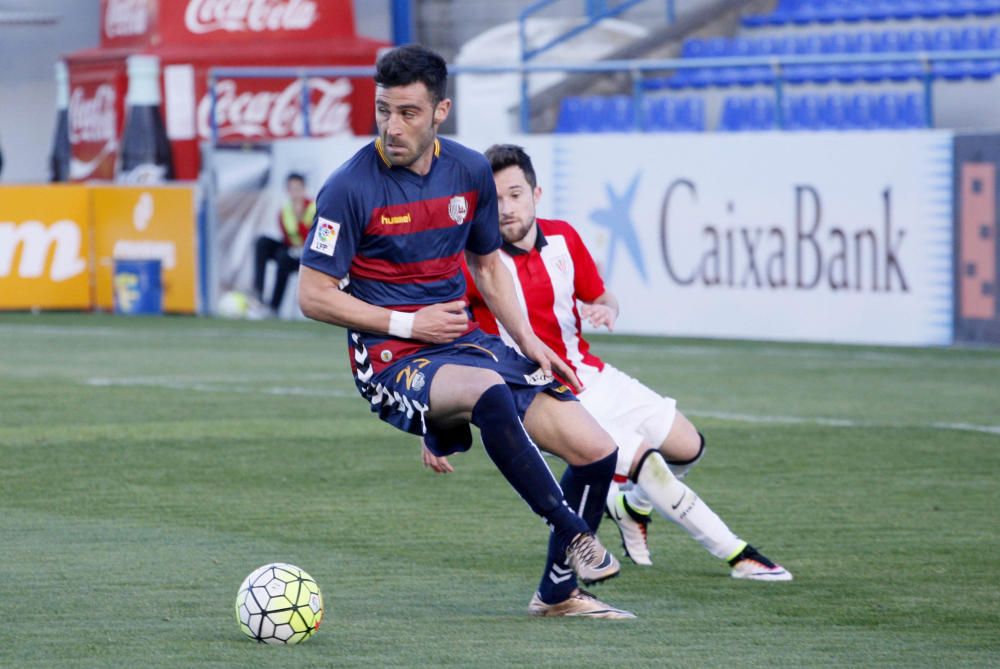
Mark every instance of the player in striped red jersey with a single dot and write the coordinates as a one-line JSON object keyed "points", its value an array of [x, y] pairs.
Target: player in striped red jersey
{"points": [[657, 444]]}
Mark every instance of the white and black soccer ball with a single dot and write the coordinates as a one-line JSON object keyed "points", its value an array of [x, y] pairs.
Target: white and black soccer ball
{"points": [[279, 603], [233, 305]]}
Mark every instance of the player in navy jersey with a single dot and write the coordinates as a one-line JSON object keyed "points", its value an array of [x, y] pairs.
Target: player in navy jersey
{"points": [[657, 444], [384, 259]]}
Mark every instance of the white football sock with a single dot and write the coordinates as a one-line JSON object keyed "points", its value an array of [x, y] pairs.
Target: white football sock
{"points": [[658, 488]]}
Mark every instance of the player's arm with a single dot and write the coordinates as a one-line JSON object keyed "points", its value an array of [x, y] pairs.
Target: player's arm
{"points": [[602, 311], [495, 284], [321, 299]]}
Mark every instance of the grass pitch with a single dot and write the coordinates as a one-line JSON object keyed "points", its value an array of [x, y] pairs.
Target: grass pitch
{"points": [[148, 465]]}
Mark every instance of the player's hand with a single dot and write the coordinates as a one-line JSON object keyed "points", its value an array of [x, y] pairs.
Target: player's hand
{"points": [[440, 323], [438, 463], [547, 359], [599, 314]]}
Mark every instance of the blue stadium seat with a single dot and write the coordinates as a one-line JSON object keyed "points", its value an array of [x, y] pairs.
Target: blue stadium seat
{"points": [[804, 112], [860, 115], [675, 114], [834, 113], [616, 113], [747, 113], [596, 114], [570, 115], [733, 117]]}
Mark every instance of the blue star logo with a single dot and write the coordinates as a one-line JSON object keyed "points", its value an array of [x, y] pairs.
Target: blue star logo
{"points": [[617, 218]]}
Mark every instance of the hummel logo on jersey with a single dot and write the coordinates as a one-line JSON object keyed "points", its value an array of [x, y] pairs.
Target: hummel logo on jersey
{"points": [[458, 207], [396, 220], [325, 239]]}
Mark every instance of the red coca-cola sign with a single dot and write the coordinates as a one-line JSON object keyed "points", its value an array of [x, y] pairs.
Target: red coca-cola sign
{"points": [[257, 16], [254, 109], [95, 121], [167, 22]]}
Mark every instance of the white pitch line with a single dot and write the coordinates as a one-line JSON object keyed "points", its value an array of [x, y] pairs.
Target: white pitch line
{"points": [[204, 333], [838, 422], [216, 388]]}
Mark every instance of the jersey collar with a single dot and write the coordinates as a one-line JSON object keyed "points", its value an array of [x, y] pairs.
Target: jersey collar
{"points": [[540, 243], [385, 159]]}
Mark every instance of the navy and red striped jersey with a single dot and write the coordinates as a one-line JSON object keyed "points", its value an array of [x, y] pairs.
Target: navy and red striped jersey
{"points": [[401, 237], [549, 279]]}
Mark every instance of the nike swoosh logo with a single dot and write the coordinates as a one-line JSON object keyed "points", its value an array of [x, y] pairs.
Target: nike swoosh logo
{"points": [[674, 506]]}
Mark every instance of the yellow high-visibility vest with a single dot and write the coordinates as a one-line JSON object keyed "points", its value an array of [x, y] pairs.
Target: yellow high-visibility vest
{"points": [[291, 222]]}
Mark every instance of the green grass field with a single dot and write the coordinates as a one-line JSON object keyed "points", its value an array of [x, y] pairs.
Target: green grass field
{"points": [[148, 465]]}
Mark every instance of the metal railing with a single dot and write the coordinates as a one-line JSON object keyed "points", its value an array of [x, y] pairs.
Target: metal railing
{"points": [[597, 11], [637, 70]]}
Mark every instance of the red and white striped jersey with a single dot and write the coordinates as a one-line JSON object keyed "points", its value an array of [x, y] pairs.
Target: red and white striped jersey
{"points": [[549, 279]]}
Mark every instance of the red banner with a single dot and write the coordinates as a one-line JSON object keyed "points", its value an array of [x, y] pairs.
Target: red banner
{"points": [[96, 115], [253, 109], [134, 23]]}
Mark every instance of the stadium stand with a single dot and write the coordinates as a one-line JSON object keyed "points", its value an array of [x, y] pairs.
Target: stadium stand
{"points": [[618, 114], [809, 44], [804, 12], [835, 111]]}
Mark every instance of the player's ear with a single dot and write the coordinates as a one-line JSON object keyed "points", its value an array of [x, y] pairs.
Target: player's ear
{"points": [[441, 111], [537, 193]]}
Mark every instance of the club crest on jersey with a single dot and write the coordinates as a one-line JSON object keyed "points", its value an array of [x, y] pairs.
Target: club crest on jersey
{"points": [[562, 264], [458, 207], [325, 239]]}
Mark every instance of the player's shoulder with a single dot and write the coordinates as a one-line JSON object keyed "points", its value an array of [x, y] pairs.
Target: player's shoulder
{"points": [[555, 226], [470, 159]]}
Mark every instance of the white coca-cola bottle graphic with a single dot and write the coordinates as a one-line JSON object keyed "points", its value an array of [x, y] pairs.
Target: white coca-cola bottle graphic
{"points": [[145, 151], [61, 148]]}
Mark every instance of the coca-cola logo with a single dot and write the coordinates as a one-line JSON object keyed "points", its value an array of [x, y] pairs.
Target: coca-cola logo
{"points": [[93, 119], [125, 18], [205, 16], [277, 113]]}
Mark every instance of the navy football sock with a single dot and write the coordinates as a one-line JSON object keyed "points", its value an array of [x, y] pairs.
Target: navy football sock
{"points": [[586, 489], [518, 459]]}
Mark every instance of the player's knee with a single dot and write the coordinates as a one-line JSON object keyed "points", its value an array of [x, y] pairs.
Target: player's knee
{"points": [[680, 468], [639, 458], [651, 464]]}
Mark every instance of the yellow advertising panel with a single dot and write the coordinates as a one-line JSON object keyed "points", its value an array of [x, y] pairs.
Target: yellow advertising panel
{"points": [[44, 247], [137, 223]]}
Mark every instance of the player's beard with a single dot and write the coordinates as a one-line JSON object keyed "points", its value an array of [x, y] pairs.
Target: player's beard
{"points": [[421, 145], [514, 230]]}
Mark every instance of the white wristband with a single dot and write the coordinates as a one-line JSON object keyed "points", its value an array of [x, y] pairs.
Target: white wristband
{"points": [[401, 324]]}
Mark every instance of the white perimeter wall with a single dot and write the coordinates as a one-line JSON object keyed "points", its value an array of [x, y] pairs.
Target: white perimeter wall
{"points": [[836, 237]]}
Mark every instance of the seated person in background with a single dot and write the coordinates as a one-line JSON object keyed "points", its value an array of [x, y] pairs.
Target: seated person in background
{"points": [[295, 219]]}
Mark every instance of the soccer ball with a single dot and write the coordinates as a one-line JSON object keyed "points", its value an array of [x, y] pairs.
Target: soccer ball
{"points": [[233, 305], [279, 603]]}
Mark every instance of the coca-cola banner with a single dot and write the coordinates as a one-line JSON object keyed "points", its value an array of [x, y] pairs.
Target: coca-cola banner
{"points": [[166, 22], [249, 109], [96, 112]]}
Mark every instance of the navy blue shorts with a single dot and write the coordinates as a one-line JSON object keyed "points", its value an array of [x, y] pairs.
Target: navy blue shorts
{"points": [[400, 393]]}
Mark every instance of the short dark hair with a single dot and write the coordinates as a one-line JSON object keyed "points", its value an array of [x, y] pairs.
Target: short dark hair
{"points": [[502, 156], [411, 63], [295, 176]]}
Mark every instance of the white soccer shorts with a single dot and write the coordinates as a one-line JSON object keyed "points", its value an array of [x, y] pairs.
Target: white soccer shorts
{"points": [[629, 411]]}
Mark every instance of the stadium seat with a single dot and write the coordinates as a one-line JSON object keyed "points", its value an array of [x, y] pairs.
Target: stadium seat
{"points": [[570, 115]]}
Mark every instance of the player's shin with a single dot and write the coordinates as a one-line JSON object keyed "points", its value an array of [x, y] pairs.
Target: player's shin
{"points": [[518, 459], [585, 488], [678, 503]]}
